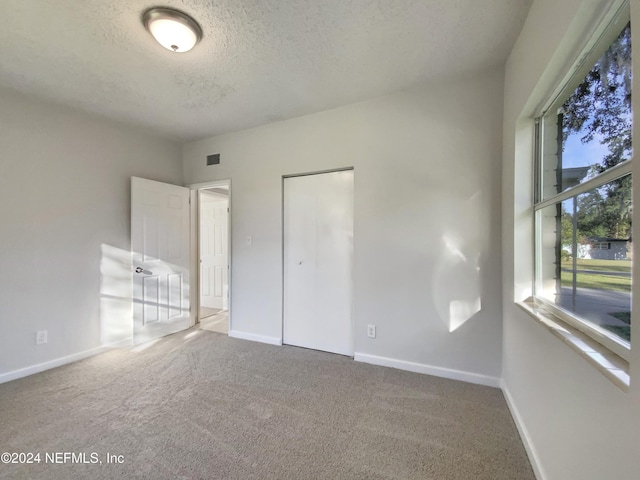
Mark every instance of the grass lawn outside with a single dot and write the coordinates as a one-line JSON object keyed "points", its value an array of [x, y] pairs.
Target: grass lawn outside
{"points": [[598, 282], [624, 316], [620, 283], [621, 331], [623, 266]]}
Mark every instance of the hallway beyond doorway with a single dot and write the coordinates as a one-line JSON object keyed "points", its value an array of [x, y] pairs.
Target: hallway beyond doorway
{"points": [[218, 322]]}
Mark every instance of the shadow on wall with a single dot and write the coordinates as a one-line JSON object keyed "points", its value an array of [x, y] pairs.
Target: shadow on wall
{"points": [[456, 280]]}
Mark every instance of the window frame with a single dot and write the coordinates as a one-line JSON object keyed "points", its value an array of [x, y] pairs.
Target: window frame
{"points": [[594, 48]]}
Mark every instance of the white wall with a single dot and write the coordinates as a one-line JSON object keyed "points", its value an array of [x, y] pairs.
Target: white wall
{"points": [[64, 246], [578, 424], [427, 218]]}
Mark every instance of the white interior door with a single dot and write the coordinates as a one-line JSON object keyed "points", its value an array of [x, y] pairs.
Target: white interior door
{"points": [[214, 269], [160, 258], [318, 255]]}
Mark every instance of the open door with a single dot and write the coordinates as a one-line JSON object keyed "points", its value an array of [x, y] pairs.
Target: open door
{"points": [[160, 258], [214, 263]]}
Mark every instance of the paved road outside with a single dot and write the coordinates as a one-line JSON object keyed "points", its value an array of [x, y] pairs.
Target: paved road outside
{"points": [[595, 305]]}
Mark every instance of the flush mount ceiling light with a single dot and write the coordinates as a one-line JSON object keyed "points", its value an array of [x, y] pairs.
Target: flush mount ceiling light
{"points": [[174, 30]]}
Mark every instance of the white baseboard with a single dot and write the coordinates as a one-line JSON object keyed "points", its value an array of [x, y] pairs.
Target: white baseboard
{"points": [[428, 369], [41, 367], [524, 435], [255, 338]]}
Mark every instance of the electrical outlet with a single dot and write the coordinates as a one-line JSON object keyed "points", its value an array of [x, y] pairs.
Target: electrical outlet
{"points": [[41, 337], [371, 331]]}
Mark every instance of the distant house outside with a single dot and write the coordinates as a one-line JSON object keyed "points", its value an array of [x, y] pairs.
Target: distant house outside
{"points": [[602, 248], [608, 248]]}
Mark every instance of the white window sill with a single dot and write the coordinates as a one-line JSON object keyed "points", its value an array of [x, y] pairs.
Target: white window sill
{"points": [[604, 360]]}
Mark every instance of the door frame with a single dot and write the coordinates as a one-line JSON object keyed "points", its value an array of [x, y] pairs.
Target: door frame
{"points": [[195, 245], [282, 232]]}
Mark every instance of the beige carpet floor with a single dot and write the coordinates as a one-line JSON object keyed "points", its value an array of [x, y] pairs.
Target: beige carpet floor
{"points": [[216, 323], [200, 405]]}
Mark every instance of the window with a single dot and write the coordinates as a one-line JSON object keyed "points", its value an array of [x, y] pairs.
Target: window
{"points": [[582, 193]]}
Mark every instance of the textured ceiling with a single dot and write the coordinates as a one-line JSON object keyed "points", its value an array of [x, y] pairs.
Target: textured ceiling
{"points": [[259, 60]]}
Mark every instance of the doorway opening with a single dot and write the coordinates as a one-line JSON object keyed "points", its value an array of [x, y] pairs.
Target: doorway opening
{"points": [[214, 257]]}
